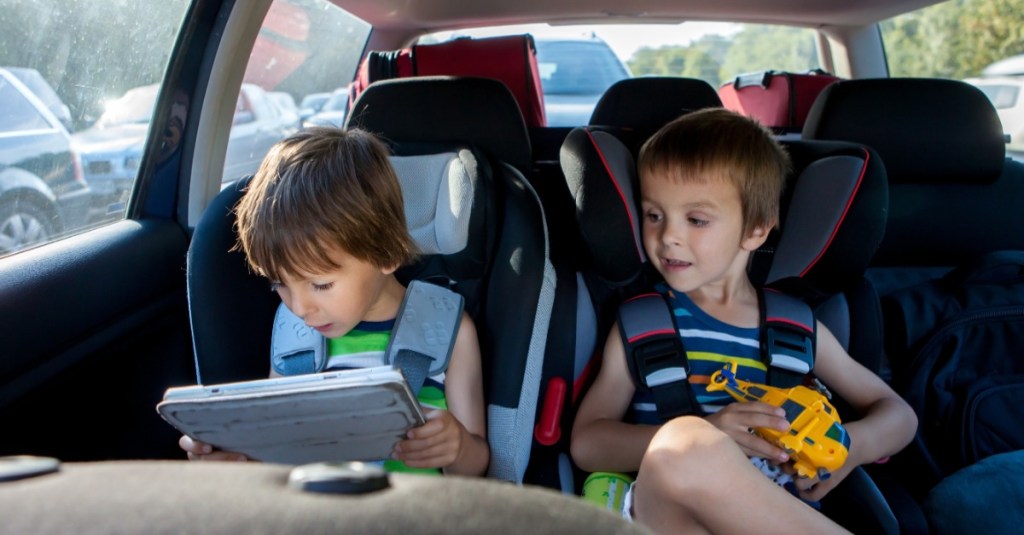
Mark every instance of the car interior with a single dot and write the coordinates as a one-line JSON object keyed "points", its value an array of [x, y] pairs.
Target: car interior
{"points": [[900, 182]]}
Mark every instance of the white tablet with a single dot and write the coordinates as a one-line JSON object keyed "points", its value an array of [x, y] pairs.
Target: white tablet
{"points": [[347, 415]]}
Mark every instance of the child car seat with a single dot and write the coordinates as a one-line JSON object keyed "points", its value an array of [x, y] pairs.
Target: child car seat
{"points": [[506, 278], [832, 212]]}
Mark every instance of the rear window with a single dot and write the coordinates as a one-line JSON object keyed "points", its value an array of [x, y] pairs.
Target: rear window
{"points": [[577, 67]]}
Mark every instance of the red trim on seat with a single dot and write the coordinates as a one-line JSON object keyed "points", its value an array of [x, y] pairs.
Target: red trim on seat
{"points": [[622, 196], [656, 332], [788, 321], [846, 209]]}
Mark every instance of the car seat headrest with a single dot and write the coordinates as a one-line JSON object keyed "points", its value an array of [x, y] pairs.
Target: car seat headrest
{"points": [[833, 216], [924, 130], [600, 173], [445, 109], [438, 190], [646, 104]]}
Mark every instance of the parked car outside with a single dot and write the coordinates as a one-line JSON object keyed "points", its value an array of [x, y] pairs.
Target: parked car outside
{"points": [[333, 111], [574, 73], [42, 191], [286, 105], [1007, 95], [42, 89], [111, 149], [312, 103]]}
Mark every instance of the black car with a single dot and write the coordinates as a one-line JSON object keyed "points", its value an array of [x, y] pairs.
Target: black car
{"points": [[42, 191]]}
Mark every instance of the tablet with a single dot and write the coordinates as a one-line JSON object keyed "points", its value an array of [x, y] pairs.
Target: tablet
{"points": [[346, 415]]}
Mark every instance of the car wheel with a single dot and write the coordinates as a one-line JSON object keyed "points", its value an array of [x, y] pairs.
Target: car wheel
{"points": [[22, 224]]}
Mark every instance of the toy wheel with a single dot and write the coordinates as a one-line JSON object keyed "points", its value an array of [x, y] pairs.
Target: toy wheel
{"points": [[823, 474]]}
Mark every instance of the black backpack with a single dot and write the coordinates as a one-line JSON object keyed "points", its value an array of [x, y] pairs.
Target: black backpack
{"points": [[963, 338]]}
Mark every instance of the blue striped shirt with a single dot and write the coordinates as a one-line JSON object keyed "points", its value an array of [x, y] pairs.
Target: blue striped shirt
{"points": [[710, 344]]}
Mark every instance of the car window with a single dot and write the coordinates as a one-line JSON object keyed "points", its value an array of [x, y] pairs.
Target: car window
{"points": [[977, 41], [72, 61], [1002, 96], [577, 67], [577, 63], [305, 47]]}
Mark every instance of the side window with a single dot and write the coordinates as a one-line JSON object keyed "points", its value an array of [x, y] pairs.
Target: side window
{"points": [[977, 41], [305, 48], [71, 128]]}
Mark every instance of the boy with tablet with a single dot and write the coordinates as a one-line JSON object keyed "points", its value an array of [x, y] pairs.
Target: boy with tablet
{"points": [[323, 219]]}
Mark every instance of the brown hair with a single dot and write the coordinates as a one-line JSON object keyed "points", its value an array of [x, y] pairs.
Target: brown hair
{"points": [[321, 189], [718, 143]]}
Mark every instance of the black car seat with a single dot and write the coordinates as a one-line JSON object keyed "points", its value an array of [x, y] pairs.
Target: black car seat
{"points": [[954, 196], [635, 108], [505, 273], [579, 302], [833, 213]]}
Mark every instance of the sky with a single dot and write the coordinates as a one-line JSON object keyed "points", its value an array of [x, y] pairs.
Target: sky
{"points": [[624, 39]]}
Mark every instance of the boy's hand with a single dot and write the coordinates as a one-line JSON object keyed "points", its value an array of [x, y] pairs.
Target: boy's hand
{"points": [[201, 451], [814, 489], [435, 444], [738, 421]]}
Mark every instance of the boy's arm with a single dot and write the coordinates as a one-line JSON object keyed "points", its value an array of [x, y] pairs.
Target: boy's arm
{"points": [[455, 439], [601, 441], [884, 425]]}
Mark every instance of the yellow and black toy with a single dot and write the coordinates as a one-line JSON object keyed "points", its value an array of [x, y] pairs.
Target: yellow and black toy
{"points": [[816, 441]]}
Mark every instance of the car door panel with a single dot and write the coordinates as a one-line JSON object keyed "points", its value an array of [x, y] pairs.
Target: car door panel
{"points": [[94, 328]]}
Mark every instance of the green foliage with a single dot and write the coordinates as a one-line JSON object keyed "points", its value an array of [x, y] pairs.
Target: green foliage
{"points": [[719, 58], [954, 39]]}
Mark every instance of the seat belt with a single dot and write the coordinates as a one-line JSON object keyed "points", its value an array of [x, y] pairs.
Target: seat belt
{"points": [[788, 338], [421, 341], [655, 355], [657, 359]]}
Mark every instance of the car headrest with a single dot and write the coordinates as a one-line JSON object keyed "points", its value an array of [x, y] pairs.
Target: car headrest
{"points": [[438, 190], [833, 214], [601, 175], [924, 130], [646, 104], [444, 109]]}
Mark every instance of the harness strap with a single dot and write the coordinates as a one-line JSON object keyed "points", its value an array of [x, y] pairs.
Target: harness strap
{"points": [[657, 359], [788, 338], [421, 341], [295, 348], [425, 331], [655, 354]]}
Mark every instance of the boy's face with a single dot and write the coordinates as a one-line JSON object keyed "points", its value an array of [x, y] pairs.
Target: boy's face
{"points": [[693, 231], [333, 302]]}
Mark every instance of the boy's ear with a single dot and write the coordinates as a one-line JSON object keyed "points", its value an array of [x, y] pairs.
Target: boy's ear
{"points": [[757, 237], [389, 270]]}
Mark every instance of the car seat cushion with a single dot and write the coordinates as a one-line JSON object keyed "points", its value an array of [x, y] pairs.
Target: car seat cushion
{"points": [[438, 189]]}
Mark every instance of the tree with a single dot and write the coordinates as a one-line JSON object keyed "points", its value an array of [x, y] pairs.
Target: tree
{"points": [[954, 39]]}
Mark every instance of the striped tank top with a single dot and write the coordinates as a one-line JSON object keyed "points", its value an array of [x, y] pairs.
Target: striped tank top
{"points": [[710, 344], [364, 347]]}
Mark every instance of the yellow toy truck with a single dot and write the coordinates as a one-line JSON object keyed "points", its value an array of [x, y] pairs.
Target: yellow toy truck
{"points": [[816, 441]]}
